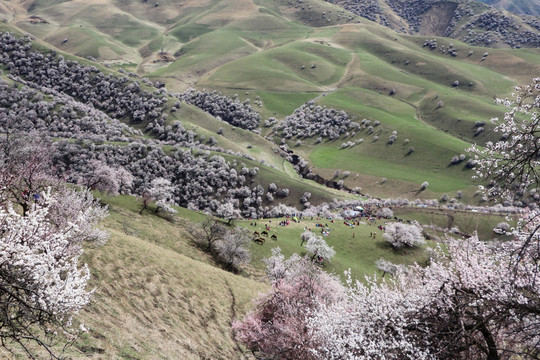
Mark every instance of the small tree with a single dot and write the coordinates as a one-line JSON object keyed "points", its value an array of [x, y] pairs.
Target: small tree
{"points": [[277, 327], [385, 213], [318, 247], [306, 235], [400, 235], [26, 170], [233, 249], [386, 267], [162, 191], [502, 227], [211, 232]]}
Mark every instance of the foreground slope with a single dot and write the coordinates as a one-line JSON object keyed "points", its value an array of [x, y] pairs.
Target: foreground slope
{"points": [[156, 295]]}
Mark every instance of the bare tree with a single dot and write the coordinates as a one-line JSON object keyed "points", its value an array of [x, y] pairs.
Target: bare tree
{"points": [[212, 231]]}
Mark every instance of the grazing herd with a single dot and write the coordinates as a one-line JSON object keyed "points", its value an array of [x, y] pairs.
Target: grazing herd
{"points": [[259, 238]]}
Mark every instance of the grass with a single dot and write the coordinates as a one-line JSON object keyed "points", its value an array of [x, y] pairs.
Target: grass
{"points": [[282, 104], [156, 294], [153, 284], [358, 254], [261, 46], [281, 68], [190, 31], [380, 159]]}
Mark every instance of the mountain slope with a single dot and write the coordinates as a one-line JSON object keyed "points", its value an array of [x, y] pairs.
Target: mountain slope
{"points": [[432, 91], [470, 21], [528, 7]]}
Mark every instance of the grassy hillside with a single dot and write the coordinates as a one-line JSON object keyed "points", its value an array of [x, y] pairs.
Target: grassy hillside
{"points": [[157, 296], [155, 291], [286, 54]]}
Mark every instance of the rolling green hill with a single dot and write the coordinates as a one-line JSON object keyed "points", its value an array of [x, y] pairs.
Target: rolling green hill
{"points": [[284, 56]]}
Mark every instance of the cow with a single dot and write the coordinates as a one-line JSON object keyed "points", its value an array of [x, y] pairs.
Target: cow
{"points": [[274, 237], [259, 240], [256, 233], [264, 233]]}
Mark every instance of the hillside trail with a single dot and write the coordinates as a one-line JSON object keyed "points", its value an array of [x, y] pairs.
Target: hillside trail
{"points": [[416, 107], [349, 72], [233, 314]]}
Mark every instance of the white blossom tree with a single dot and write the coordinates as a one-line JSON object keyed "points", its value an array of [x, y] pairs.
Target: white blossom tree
{"points": [[43, 226], [318, 247], [233, 249], [42, 284], [469, 303], [386, 267], [385, 213], [400, 235], [162, 191], [78, 207], [512, 163], [228, 211]]}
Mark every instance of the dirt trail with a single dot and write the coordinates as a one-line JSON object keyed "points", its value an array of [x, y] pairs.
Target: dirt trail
{"points": [[349, 70], [233, 314]]}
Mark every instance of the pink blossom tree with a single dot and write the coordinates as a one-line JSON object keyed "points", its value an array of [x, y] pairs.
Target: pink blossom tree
{"points": [[277, 328], [106, 179], [25, 170]]}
